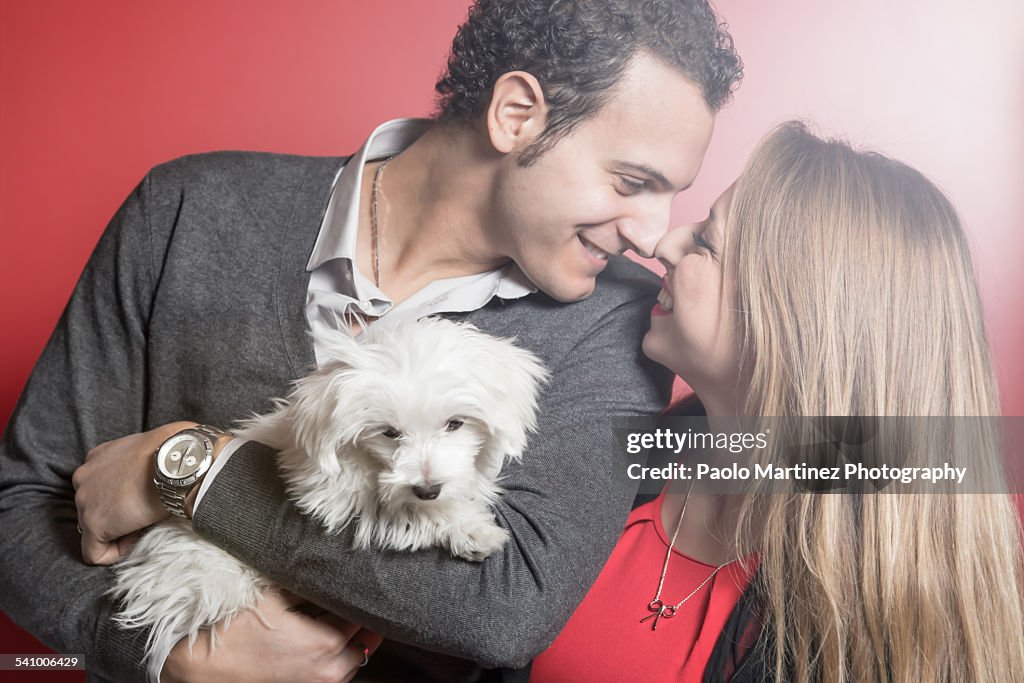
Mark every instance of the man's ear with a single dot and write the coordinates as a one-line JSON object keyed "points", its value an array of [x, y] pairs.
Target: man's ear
{"points": [[517, 113]]}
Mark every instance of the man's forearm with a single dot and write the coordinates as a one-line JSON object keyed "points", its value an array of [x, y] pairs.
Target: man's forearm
{"points": [[499, 613]]}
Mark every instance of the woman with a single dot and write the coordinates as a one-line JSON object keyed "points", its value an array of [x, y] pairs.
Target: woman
{"points": [[826, 281]]}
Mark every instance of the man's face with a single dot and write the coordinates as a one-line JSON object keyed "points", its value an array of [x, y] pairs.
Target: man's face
{"points": [[609, 185]]}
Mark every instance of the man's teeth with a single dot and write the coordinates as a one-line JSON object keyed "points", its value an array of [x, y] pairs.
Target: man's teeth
{"points": [[603, 255], [665, 299]]}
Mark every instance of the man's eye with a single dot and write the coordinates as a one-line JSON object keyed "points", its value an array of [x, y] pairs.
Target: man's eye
{"points": [[630, 185], [391, 433], [453, 425]]}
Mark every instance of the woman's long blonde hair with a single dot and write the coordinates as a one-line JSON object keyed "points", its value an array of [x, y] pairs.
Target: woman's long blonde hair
{"points": [[856, 297]]}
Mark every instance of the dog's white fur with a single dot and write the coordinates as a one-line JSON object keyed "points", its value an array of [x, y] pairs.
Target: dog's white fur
{"points": [[417, 404]]}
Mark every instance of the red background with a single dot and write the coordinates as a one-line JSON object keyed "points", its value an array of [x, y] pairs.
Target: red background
{"points": [[94, 94]]}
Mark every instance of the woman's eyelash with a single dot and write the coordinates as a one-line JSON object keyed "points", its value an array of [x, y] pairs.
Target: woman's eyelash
{"points": [[702, 243]]}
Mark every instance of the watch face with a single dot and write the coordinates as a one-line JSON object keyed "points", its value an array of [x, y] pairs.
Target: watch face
{"points": [[182, 456]]}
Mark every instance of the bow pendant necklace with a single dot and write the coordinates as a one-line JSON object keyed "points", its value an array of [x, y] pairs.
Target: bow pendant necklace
{"points": [[657, 607]]}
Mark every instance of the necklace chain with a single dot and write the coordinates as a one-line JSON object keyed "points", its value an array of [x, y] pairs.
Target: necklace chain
{"points": [[656, 606], [375, 220]]}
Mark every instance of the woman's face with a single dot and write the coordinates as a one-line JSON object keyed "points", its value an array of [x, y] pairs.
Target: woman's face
{"points": [[694, 327]]}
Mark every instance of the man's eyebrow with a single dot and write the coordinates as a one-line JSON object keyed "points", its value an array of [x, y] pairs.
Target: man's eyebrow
{"points": [[657, 176]]}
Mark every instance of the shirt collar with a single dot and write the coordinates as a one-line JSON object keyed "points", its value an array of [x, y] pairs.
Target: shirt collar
{"points": [[337, 238]]}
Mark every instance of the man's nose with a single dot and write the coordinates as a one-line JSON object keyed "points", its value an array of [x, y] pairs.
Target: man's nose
{"points": [[643, 230]]}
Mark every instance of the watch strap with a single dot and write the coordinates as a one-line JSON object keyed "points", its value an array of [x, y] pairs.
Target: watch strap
{"points": [[211, 432], [173, 498]]}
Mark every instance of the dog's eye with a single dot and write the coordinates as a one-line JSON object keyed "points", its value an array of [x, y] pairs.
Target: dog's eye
{"points": [[391, 433], [453, 425]]}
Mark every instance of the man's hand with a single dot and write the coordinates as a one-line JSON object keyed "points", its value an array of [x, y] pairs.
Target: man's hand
{"points": [[115, 495], [280, 644]]}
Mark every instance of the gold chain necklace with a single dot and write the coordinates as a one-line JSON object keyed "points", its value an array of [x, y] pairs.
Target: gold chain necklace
{"points": [[376, 228], [658, 609]]}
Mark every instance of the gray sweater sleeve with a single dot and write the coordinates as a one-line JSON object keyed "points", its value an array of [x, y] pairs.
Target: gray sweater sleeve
{"points": [[86, 389], [565, 505]]}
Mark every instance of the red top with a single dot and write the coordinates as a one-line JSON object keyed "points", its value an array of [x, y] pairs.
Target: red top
{"points": [[604, 639]]}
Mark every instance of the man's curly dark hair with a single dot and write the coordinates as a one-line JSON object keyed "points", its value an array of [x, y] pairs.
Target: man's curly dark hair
{"points": [[578, 50]]}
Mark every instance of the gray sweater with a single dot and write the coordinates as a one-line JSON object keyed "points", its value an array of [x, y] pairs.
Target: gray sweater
{"points": [[191, 307]]}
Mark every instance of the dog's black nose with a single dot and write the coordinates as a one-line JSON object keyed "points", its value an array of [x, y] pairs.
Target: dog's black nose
{"points": [[427, 492]]}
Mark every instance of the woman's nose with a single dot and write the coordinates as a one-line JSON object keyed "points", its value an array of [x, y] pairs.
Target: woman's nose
{"points": [[672, 247]]}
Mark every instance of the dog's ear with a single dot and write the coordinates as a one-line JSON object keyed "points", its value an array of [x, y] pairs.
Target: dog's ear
{"points": [[321, 411], [511, 379]]}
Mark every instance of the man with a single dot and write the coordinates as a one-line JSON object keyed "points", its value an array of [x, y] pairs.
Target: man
{"points": [[565, 130]]}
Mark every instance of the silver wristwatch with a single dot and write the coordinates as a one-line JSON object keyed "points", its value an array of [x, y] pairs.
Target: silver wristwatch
{"points": [[181, 463]]}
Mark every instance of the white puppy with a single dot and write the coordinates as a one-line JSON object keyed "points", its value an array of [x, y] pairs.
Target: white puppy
{"points": [[402, 435]]}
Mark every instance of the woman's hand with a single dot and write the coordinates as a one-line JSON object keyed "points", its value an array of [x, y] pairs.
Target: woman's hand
{"points": [[281, 644]]}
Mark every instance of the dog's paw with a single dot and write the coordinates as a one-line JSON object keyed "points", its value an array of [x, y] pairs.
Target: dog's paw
{"points": [[478, 544]]}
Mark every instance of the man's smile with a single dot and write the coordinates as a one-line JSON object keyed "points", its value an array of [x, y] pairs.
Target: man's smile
{"points": [[594, 250]]}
